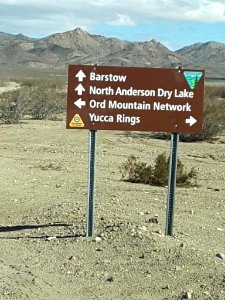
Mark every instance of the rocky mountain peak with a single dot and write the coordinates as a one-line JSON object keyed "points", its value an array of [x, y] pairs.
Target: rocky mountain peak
{"points": [[79, 31], [79, 47]]}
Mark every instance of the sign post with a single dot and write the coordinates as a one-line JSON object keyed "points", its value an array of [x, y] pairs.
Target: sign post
{"points": [[91, 183], [134, 99], [172, 184]]}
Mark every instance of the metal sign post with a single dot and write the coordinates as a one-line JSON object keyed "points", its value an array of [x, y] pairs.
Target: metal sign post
{"points": [[91, 183], [172, 184], [134, 99]]}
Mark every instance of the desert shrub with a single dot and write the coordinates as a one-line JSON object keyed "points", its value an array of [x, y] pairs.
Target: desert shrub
{"points": [[36, 102], [47, 83], [161, 169], [134, 171], [3, 83], [12, 106], [27, 83], [213, 116], [214, 91], [139, 172], [45, 103]]}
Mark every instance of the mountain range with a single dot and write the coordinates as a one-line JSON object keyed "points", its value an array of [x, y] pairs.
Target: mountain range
{"points": [[80, 47]]}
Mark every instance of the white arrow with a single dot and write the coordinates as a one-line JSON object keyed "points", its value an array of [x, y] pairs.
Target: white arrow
{"points": [[80, 75], [80, 89], [191, 121], [79, 103]]}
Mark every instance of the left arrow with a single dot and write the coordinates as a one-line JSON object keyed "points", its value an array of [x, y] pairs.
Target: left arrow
{"points": [[191, 121], [79, 103], [80, 75], [80, 89]]}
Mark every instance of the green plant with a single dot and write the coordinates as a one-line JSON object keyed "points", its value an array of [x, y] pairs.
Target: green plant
{"points": [[160, 170], [134, 171], [139, 172]]}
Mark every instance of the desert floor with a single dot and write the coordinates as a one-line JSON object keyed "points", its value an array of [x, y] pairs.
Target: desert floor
{"points": [[44, 251]]}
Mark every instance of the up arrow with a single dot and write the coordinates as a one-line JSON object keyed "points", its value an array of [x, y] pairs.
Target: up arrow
{"points": [[191, 121], [79, 103], [80, 75], [80, 89]]}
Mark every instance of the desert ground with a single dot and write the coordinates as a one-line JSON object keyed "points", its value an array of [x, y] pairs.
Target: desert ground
{"points": [[45, 254]]}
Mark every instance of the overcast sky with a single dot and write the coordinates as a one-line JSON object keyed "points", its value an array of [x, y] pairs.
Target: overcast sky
{"points": [[175, 23]]}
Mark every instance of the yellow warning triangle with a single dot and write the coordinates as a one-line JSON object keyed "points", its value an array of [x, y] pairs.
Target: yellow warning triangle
{"points": [[76, 122]]}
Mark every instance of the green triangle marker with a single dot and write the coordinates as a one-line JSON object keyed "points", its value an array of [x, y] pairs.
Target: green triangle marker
{"points": [[192, 78]]}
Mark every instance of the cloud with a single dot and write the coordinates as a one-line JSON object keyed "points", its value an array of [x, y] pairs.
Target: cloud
{"points": [[122, 20], [41, 17], [211, 12]]}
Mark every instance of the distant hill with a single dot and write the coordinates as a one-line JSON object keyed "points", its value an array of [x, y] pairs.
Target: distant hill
{"points": [[210, 56], [80, 47]]}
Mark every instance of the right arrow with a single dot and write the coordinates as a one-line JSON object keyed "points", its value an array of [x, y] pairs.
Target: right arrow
{"points": [[191, 121], [80, 89]]}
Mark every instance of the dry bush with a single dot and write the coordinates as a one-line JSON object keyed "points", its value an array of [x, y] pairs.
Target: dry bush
{"points": [[139, 172], [13, 106], [47, 83], [134, 171], [45, 103], [214, 92], [213, 116], [36, 102]]}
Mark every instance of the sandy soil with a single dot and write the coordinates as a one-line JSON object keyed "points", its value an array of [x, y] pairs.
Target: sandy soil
{"points": [[9, 86], [44, 251]]}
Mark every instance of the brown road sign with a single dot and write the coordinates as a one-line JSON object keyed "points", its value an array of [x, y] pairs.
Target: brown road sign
{"points": [[135, 99]]}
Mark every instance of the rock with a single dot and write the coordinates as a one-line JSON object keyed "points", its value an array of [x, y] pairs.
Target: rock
{"points": [[219, 229], [182, 246], [167, 287], [187, 295], [71, 257], [110, 278], [98, 249], [207, 294], [144, 228], [221, 256], [158, 232], [148, 273], [50, 238], [153, 220], [179, 268]]}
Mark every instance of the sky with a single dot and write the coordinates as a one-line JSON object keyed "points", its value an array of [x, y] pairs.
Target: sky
{"points": [[174, 23]]}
